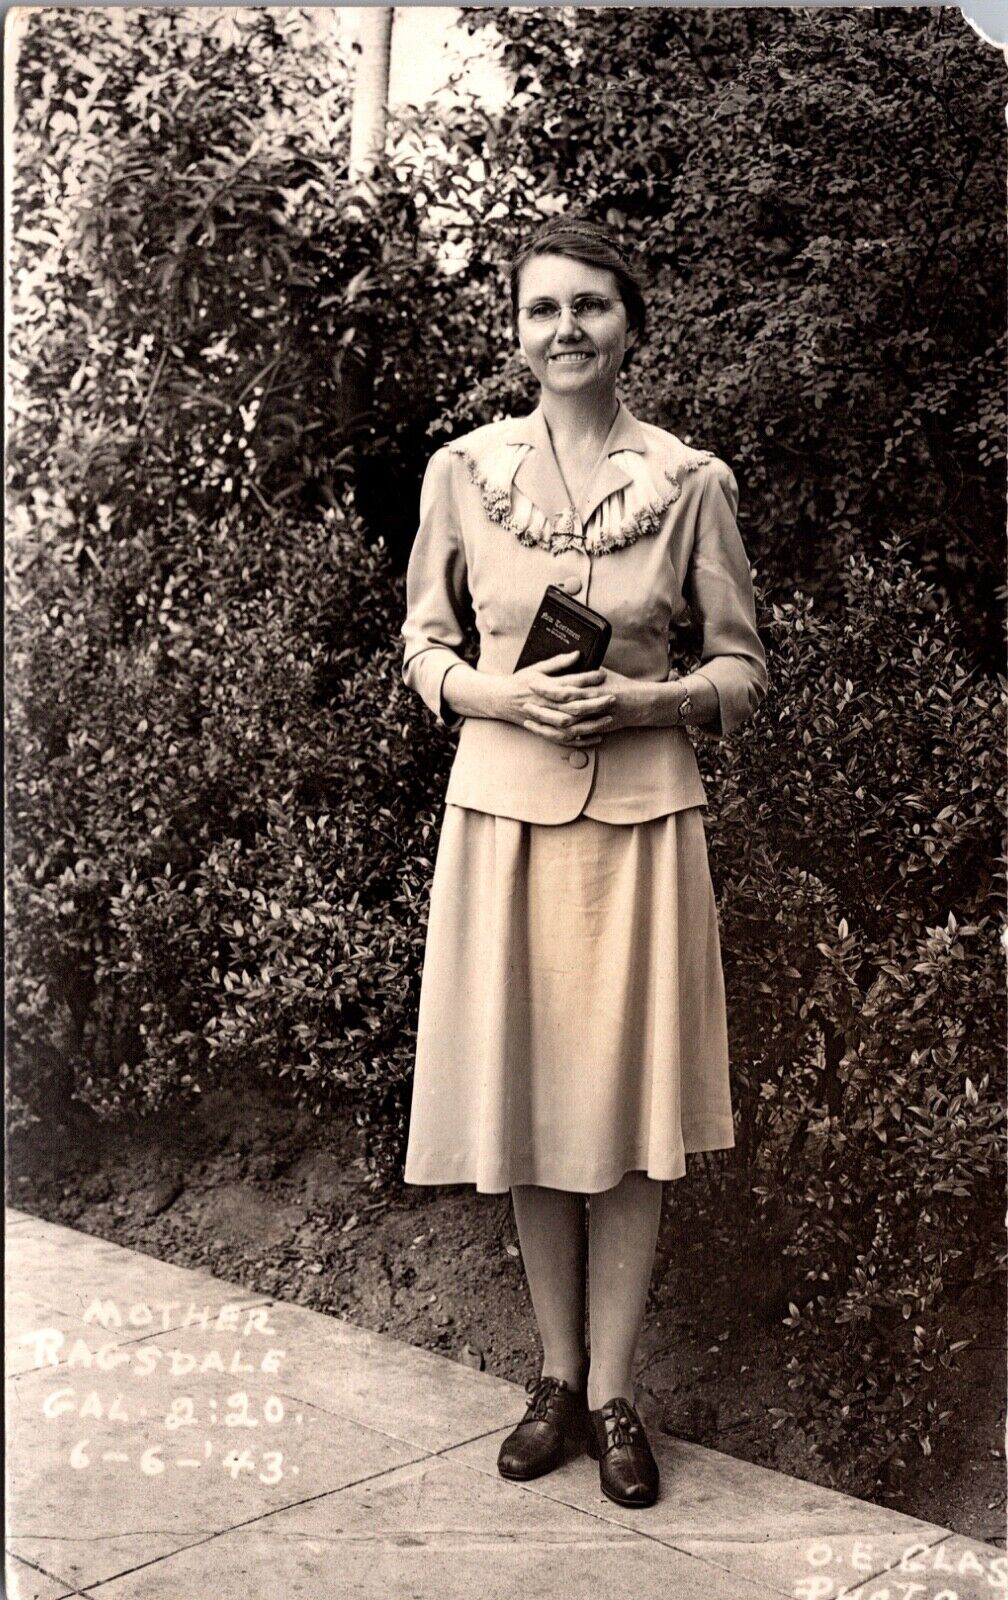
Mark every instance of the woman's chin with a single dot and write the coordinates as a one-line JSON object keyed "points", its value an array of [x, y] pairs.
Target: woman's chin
{"points": [[568, 379]]}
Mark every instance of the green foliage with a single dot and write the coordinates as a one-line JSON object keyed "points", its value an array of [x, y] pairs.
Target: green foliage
{"points": [[220, 815], [819, 195], [196, 272], [856, 834]]}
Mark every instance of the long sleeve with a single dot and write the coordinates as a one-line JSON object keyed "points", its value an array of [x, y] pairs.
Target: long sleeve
{"points": [[437, 600], [720, 594]]}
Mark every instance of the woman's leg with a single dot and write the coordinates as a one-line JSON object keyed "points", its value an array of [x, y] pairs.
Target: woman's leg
{"points": [[622, 1235], [551, 1230]]}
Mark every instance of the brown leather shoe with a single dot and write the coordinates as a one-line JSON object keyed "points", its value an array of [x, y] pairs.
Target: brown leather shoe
{"points": [[628, 1472], [555, 1425]]}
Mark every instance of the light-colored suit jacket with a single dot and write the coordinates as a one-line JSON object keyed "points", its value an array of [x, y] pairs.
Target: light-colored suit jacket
{"points": [[652, 541]]}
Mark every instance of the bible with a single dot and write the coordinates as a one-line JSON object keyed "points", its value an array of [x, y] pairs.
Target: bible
{"points": [[561, 624]]}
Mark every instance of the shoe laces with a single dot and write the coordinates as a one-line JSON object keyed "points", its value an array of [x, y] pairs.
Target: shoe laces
{"points": [[622, 1423], [542, 1391]]}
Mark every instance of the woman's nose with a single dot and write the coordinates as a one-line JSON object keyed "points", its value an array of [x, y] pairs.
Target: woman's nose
{"points": [[568, 324]]}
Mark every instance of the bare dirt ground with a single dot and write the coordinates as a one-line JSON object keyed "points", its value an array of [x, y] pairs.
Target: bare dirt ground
{"points": [[280, 1202]]}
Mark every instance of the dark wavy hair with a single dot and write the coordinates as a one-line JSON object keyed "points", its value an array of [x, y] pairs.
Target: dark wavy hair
{"points": [[581, 239]]}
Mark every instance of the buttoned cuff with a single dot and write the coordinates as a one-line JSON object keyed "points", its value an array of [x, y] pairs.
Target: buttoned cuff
{"points": [[425, 673], [739, 696], [452, 720]]}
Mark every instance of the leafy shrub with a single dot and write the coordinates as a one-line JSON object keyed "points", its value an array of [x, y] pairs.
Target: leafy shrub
{"points": [[855, 829], [232, 324], [234, 327], [219, 815], [818, 196]]}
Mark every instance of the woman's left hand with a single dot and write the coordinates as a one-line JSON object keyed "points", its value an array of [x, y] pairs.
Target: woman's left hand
{"points": [[630, 700]]}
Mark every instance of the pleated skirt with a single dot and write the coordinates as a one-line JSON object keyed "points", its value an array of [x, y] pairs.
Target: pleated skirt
{"points": [[571, 1024]]}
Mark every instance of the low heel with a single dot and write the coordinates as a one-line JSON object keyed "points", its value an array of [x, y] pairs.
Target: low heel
{"points": [[628, 1471], [551, 1432]]}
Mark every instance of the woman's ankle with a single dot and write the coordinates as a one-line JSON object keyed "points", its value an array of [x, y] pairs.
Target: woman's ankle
{"points": [[606, 1386], [573, 1369]]}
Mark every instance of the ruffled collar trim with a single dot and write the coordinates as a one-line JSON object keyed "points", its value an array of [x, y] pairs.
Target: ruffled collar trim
{"points": [[638, 476]]}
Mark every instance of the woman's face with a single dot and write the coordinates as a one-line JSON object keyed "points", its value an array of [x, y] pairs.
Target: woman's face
{"points": [[572, 324]]}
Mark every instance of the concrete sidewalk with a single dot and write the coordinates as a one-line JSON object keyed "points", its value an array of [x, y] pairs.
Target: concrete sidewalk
{"points": [[169, 1437]]}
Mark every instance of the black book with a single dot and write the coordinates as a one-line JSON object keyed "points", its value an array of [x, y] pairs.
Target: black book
{"points": [[561, 624]]}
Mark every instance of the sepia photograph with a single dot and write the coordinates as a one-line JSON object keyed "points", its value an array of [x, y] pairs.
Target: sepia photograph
{"points": [[505, 801]]}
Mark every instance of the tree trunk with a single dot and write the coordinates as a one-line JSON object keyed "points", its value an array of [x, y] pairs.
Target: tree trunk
{"points": [[370, 95], [368, 125]]}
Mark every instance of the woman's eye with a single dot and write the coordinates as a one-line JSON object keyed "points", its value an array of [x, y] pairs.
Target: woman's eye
{"points": [[586, 305]]}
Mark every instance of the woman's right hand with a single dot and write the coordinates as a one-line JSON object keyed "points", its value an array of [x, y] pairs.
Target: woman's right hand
{"points": [[567, 708]]}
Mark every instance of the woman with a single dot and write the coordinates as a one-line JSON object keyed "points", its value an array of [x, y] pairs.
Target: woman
{"points": [[572, 1038]]}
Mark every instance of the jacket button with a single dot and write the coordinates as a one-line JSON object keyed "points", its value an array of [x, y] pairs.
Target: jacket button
{"points": [[578, 758]]}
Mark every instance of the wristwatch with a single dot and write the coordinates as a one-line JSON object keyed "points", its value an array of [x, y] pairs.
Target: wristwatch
{"points": [[685, 707]]}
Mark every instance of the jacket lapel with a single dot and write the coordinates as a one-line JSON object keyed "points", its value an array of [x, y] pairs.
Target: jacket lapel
{"points": [[609, 476], [539, 478]]}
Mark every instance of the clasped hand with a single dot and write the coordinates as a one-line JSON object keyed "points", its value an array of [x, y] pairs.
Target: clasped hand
{"points": [[573, 708]]}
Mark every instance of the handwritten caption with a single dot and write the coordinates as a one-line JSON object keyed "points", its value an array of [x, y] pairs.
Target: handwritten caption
{"points": [[860, 1571], [195, 1430]]}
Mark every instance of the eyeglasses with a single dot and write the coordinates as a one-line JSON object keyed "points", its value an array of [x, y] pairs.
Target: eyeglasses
{"points": [[583, 308]]}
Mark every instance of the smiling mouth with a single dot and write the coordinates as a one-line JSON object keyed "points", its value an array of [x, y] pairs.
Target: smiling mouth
{"points": [[572, 356]]}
